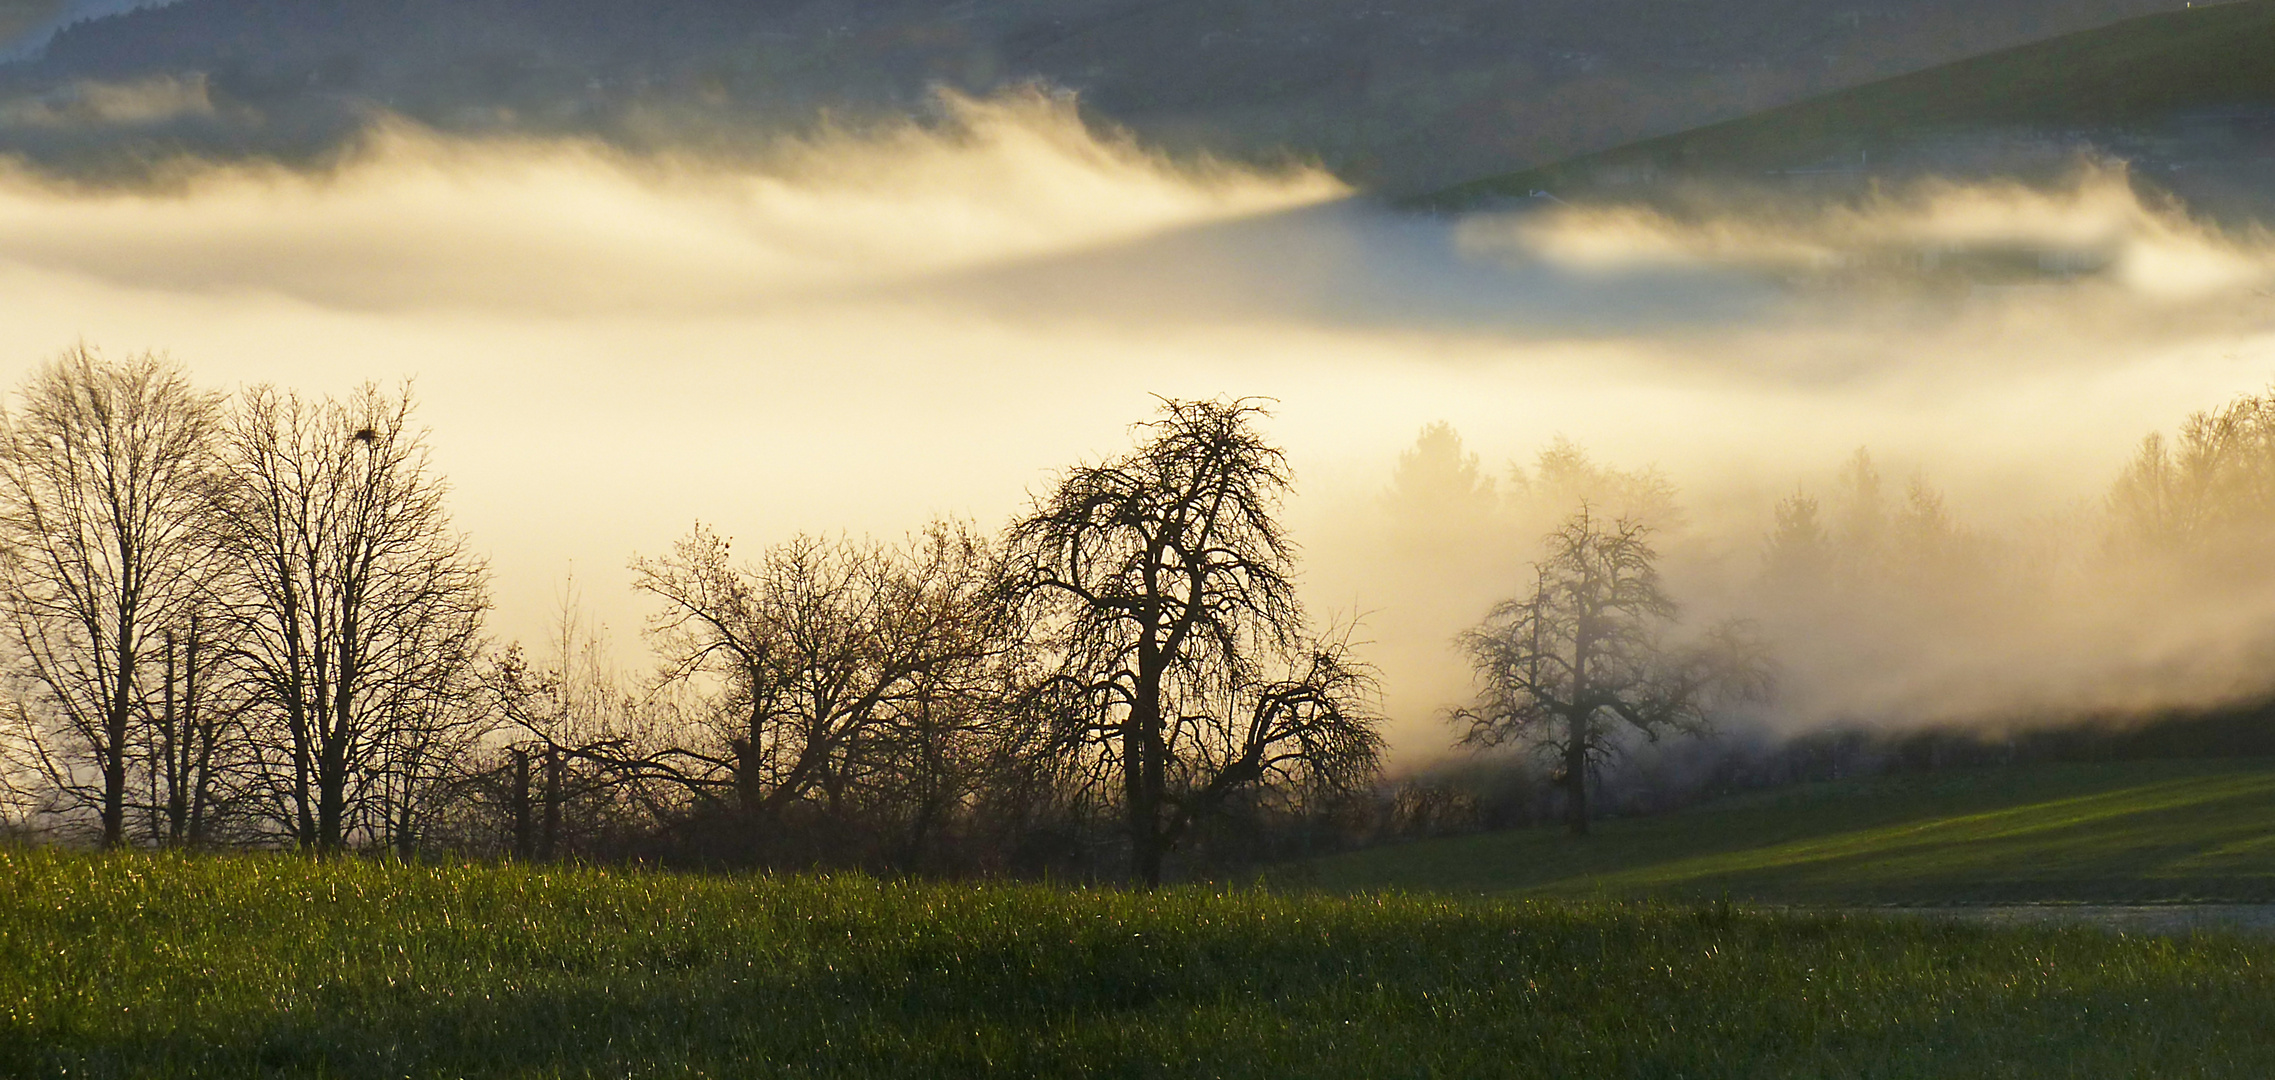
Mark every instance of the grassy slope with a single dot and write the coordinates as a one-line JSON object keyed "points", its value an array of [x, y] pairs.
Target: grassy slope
{"points": [[2206, 56], [2121, 831], [136, 965]]}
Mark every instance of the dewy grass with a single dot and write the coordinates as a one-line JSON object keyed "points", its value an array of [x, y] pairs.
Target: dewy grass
{"points": [[2142, 831], [137, 965]]}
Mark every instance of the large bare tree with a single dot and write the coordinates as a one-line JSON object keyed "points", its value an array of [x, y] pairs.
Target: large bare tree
{"points": [[359, 612], [1167, 584], [1583, 650], [107, 483]]}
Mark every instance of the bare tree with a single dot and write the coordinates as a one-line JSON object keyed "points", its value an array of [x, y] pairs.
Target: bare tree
{"points": [[832, 664], [107, 481], [2209, 492], [1166, 582], [566, 780], [192, 737], [358, 609], [1584, 646]]}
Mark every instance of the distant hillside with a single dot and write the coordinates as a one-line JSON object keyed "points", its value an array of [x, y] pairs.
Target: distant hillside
{"points": [[2196, 81], [2123, 832], [1404, 94]]}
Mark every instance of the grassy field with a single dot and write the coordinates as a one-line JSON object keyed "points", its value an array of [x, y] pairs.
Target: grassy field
{"points": [[2120, 832], [244, 966]]}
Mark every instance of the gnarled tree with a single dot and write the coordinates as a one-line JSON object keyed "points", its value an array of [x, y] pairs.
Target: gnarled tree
{"points": [[1165, 583]]}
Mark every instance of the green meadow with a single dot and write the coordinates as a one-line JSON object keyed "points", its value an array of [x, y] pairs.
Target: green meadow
{"points": [[2118, 832], [234, 966]]}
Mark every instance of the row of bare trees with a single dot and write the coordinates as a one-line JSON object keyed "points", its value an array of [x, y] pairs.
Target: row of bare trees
{"points": [[1129, 661], [248, 620], [228, 620]]}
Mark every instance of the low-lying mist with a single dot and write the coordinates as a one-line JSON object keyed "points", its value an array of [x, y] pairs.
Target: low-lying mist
{"points": [[859, 332]]}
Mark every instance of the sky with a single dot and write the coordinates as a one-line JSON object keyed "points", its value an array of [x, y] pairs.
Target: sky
{"points": [[860, 332]]}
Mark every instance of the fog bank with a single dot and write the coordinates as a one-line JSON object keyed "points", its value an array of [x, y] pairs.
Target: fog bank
{"points": [[860, 332]]}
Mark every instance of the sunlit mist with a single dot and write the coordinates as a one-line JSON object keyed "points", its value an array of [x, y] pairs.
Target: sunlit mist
{"points": [[862, 331]]}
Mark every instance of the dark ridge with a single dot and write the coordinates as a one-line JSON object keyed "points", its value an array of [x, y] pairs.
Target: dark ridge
{"points": [[1398, 95], [2144, 70]]}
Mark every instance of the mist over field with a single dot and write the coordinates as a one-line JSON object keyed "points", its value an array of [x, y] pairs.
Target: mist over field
{"points": [[862, 330]]}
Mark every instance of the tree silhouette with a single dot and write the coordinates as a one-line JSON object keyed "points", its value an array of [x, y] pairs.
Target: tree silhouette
{"points": [[359, 613], [107, 480], [1164, 581], [2209, 492], [1583, 646], [844, 673]]}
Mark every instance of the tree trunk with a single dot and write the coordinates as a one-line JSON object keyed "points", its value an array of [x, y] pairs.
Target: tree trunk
{"points": [[173, 733], [524, 840], [331, 784], [114, 750], [1583, 711], [1156, 787], [406, 826], [551, 848], [331, 802], [303, 778], [1144, 816], [332, 771], [202, 774], [1141, 773], [1576, 774]]}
